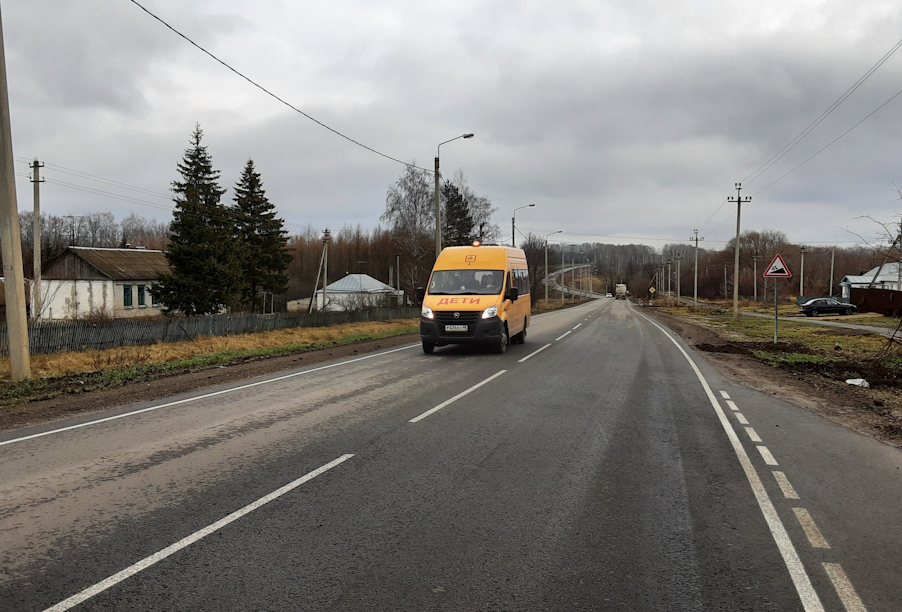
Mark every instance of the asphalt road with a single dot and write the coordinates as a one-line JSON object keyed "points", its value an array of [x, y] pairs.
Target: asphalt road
{"points": [[593, 468]]}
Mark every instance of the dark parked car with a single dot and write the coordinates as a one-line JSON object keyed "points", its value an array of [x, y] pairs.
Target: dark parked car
{"points": [[826, 306]]}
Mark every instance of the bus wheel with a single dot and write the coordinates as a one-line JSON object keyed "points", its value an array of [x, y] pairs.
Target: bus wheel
{"points": [[519, 338], [501, 346], [428, 347]]}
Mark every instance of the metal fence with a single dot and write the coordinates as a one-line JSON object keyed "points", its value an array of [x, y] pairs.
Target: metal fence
{"points": [[58, 336]]}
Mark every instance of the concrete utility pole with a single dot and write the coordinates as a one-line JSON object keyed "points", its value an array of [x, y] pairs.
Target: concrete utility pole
{"points": [[327, 238], [695, 287], [36, 286], [738, 200], [678, 258], [832, 262], [802, 273], [755, 274], [11, 241], [669, 278]]}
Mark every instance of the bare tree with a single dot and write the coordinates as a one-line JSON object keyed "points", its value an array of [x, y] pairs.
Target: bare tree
{"points": [[410, 211]]}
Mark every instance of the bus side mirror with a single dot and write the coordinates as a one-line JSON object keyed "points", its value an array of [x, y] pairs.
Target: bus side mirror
{"points": [[421, 294], [512, 294]]}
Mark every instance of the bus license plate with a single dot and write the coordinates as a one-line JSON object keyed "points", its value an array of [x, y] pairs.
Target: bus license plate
{"points": [[456, 328]]}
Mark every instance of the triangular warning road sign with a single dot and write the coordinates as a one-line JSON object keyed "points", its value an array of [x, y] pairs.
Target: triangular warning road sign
{"points": [[778, 269]]}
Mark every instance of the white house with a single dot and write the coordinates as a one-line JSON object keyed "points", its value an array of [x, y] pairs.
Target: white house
{"points": [[357, 291], [889, 278], [84, 282]]}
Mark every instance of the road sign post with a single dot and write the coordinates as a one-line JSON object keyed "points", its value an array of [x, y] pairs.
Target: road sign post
{"points": [[777, 270]]}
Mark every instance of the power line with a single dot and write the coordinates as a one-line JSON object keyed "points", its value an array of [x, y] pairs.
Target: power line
{"points": [[272, 95], [801, 136]]}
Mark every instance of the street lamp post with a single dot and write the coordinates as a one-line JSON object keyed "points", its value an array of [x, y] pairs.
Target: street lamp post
{"points": [[546, 263], [514, 224], [438, 199]]}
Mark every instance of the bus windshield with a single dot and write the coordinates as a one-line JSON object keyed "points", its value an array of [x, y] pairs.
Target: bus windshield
{"points": [[466, 282]]}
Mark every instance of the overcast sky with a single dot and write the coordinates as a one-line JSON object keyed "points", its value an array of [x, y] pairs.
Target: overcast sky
{"points": [[627, 119]]}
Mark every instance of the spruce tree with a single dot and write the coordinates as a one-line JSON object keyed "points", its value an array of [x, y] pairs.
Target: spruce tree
{"points": [[205, 266], [458, 230], [265, 255]]}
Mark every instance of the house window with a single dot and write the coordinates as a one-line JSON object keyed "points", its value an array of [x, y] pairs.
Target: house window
{"points": [[141, 296], [127, 296]]}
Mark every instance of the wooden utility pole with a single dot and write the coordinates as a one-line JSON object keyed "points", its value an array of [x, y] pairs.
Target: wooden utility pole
{"points": [[738, 200], [36, 304], [11, 240]]}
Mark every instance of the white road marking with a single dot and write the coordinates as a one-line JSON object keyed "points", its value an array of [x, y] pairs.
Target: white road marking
{"points": [[788, 491], [732, 405], [741, 418], [456, 397], [765, 454], [725, 394], [808, 596], [191, 539], [814, 534], [577, 325], [753, 435], [200, 397], [844, 588], [560, 337], [534, 353]]}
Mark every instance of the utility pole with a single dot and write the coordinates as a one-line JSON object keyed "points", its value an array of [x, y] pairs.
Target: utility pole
{"points": [[669, 278], [755, 275], [738, 200], [802, 273], [695, 287], [11, 240], [679, 258], [832, 262], [36, 286], [725, 285]]}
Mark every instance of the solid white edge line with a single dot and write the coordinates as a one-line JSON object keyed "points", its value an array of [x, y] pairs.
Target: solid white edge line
{"points": [[456, 397], [789, 491], [844, 588], [200, 397], [562, 337], [765, 454], [577, 325], [534, 353], [815, 537], [191, 539], [810, 600]]}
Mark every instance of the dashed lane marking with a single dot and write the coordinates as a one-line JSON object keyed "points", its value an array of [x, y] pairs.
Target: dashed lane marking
{"points": [[810, 528], [725, 394], [191, 539], [741, 418], [732, 405], [562, 337], [536, 352], [844, 588], [788, 491], [577, 325], [456, 397], [765, 454], [753, 435]]}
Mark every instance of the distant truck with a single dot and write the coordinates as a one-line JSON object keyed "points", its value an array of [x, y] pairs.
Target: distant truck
{"points": [[620, 292]]}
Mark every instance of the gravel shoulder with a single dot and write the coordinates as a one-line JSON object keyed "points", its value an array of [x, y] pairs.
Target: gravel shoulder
{"points": [[874, 412], [77, 401]]}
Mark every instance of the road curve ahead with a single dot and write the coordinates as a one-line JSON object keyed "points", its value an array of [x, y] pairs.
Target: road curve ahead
{"points": [[601, 466]]}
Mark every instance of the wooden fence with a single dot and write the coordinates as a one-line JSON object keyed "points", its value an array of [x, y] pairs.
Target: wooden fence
{"points": [[58, 336]]}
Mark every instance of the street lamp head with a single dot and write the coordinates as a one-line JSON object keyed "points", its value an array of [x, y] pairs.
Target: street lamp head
{"points": [[468, 135], [532, 205]]}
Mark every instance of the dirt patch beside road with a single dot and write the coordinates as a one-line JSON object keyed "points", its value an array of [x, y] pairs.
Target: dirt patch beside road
{"points": [[816, 387]]}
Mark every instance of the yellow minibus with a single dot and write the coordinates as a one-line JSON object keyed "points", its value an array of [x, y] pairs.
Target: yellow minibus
{"points": [[476, 295]]}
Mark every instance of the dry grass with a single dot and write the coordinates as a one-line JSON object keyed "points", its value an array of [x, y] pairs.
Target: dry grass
{"points": [[61, 364]]}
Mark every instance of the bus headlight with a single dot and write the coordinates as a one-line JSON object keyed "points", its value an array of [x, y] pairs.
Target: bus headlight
{"points": [[490, 312], [427, 313]]}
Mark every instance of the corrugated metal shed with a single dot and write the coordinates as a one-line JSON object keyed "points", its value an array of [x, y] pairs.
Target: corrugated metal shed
{"points": [[115, 264]]}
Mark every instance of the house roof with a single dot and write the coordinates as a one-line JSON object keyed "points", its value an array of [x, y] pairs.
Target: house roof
{"points": [[124, 264], [357, 283], [889, 274]]}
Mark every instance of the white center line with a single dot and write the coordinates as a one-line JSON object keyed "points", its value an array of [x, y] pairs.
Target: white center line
{"points": [[741, 418], [725, 394], [844, 588], [456, 397], [765, 454], [200, 397], [560, 337], [732, 405], [536, 352], [814, 534], [802, 582], [753, 435], [191, 539], [788, 491], [577, 325]]}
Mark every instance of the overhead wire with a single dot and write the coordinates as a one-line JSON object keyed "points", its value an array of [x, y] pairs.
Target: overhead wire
{"points": [[273, 95]]}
